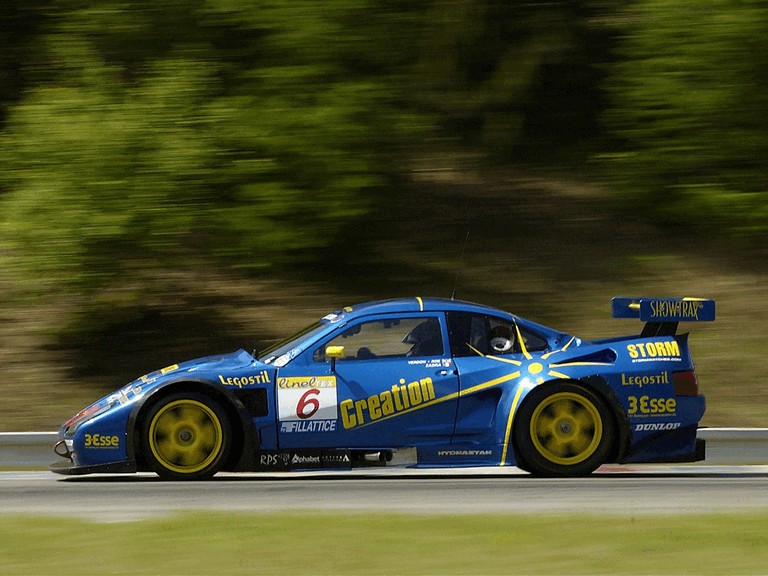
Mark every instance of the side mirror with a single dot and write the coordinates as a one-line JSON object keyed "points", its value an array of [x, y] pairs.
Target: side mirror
{"points": [[334, 353]]}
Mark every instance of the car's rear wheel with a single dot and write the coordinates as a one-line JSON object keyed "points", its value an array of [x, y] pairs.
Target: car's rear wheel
{"points": [[186, 437], [563, 429]]}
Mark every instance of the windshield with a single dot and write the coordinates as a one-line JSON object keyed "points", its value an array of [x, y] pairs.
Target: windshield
{"points": [[280, 353]]}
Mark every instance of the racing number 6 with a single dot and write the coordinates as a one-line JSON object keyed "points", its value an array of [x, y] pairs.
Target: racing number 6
{"points": [[308, 405]]}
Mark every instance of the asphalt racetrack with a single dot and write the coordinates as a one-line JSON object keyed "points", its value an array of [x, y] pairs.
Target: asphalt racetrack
{"points": [[612, 490]]}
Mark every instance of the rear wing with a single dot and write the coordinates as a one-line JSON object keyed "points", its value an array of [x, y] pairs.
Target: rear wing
{"points": [[662, 315]]}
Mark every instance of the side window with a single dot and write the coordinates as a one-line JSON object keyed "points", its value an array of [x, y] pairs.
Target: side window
{"points": [[388, 338], [533, 342], [472, 334], [467, 333]]}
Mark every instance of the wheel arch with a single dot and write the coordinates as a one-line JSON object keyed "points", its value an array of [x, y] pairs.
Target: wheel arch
{"points": [[243, 431], [599, 386]]}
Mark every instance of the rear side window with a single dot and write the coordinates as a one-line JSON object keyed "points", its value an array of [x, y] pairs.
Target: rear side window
{"points": [[473, 334]]}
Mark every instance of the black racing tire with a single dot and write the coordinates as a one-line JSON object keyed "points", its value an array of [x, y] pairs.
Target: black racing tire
{"points": [[186, 436], [563, 429]]}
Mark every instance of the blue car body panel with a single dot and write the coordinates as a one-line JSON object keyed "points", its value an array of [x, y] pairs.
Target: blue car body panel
{"points": [[454, 402]]}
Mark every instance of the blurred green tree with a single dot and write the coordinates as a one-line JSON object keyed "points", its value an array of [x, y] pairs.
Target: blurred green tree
{"points": [[689, 114], [175, 134], [20, 23], [519, 80]]}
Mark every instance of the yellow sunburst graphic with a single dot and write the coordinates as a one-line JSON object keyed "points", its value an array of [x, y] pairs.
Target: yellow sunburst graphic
{"points": [[530, 372]]}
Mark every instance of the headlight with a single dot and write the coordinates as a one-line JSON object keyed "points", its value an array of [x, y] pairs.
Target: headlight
{"points": [[74, 423], [122, 396]]}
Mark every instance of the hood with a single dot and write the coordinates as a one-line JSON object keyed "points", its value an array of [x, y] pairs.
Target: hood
{"points": [[125, 396], [217, 363]]}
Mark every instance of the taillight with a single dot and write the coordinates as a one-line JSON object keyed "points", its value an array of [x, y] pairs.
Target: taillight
{"points": [[685, 383]]}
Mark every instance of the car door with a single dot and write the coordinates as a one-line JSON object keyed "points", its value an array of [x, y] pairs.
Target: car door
{"points": [[393, 385], [491, 362]]}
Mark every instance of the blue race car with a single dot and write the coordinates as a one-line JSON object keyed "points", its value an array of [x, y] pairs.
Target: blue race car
{"points": [[460, 384]]}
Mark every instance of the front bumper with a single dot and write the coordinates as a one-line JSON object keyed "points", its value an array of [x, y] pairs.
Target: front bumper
{"points": [[69, 468]]}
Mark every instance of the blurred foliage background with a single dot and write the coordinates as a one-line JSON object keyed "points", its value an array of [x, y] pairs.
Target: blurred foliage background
{"points": [[187, 176]]}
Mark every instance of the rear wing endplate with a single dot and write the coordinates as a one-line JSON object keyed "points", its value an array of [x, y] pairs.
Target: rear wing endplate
{"points": [[661, 315]]}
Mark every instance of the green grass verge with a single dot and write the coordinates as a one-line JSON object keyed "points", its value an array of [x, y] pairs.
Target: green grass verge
{"points": [[356, 543]]}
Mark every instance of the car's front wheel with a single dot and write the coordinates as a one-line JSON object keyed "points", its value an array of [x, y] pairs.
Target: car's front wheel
{"points": [[563, 429], [186, 437]]}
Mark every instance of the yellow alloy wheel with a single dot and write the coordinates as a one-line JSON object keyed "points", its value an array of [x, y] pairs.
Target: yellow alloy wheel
{"points": [[566, 428], [186, 436]]}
